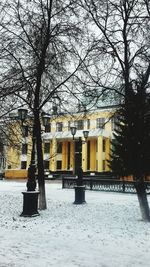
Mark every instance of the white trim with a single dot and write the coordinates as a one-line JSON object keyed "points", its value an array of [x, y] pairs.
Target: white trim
{"points": [[23, 157], [79, 133], [46, 156]]}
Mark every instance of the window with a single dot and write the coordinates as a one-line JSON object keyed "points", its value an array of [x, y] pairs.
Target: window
{"points": [[100, 123], [59, 126], [47, 148], [23, 164], [24, 149], [48, 128], [59, 147], [88, 124], [59, 164], [79, 124], [25, 131], [115, 123], [46, 164], [69, 124]]}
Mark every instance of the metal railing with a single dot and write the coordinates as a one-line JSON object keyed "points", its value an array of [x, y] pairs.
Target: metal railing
{"points": [[107, 185]]}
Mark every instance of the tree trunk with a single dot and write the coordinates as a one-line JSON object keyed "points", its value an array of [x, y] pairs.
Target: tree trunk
{"points": [[41, 180], [143, 202], [42, 197]]}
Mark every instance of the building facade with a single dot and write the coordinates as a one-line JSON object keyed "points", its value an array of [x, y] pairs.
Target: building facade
{"points": [[63, 154]]}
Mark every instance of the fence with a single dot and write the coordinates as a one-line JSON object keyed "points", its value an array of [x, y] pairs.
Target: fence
{"points": [[107, 185]]}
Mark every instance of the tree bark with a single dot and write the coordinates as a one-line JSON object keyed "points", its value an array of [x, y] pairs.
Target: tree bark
{"points": [[40, 165], [143, 201]]}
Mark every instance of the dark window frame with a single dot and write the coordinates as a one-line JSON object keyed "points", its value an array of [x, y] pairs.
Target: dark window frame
{"points": [[88, 123], [23, 165], [25, 131], [59, 147], [114, 123], [24, 149], [69, 125], [100, 123], [79, 124], [59, 127], [47, 147], [48, 128], [46, 164]]}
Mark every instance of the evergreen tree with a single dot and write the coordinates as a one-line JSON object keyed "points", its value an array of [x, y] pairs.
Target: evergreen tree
{"points": [[130, 147], [131, 153]]}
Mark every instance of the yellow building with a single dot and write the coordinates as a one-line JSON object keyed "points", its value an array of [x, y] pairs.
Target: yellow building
{"points": [[63, 154], [18, 152]]}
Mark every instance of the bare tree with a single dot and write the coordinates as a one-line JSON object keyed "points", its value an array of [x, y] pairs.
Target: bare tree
{"points": [[122, 58], [41, 51], [121, 52]]}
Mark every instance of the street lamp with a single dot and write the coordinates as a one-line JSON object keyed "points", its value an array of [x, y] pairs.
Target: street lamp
{"points": [[79, 188], [86, 134], [73, 131], [45, 119], [30, 197]]}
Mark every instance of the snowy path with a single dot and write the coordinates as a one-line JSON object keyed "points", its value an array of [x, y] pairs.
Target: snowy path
{"points": [[105, 232]]}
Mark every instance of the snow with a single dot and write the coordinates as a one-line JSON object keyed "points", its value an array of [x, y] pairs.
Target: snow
{"points": [[107, 231]]}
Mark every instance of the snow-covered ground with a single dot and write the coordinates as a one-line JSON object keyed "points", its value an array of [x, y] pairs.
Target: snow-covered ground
{"points": [[105, 232]]}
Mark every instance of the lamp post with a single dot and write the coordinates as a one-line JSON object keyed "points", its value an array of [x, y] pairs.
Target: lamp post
{"points": [[73, 130], [45, 119], [30, 197], [79, 188]]}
